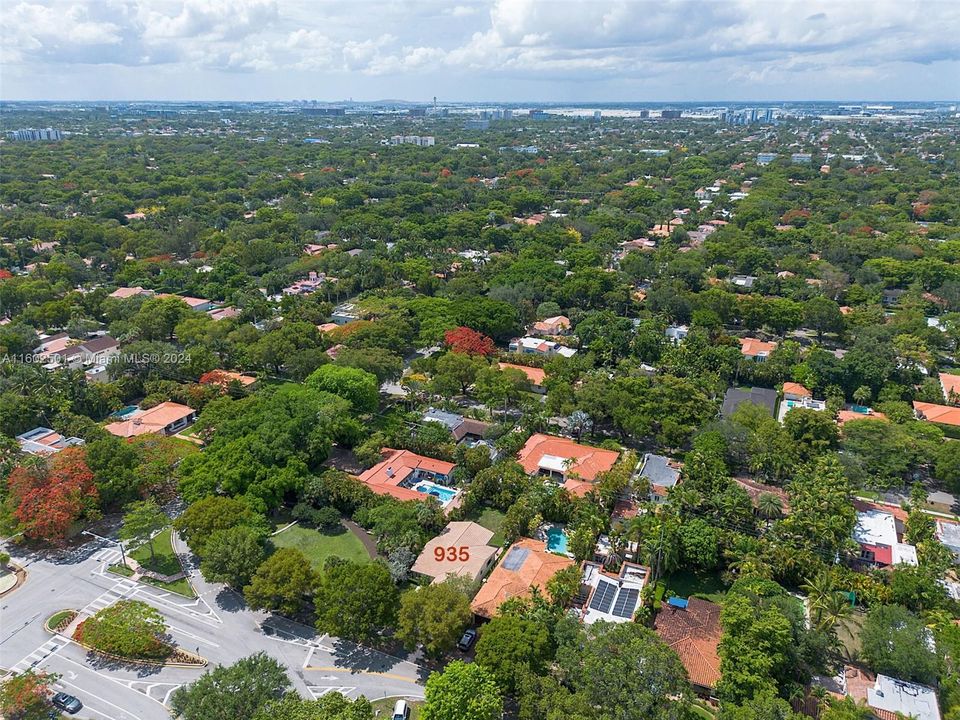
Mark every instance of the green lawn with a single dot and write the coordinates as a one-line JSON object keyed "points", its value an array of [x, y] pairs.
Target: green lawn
{"points": [[318, 546], [705, 585], [492, 520], [164, 562]]}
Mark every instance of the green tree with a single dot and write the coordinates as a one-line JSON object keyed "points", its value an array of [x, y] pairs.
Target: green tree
{"points": [[358, 386], [699, 543], [206, 516], [823, 315], [233, 555], [330, 706], [141, 522], [462, 692], [355, 601], [510, 647], [26, 696], [232, 692], [455, 372], [947, 464], [894, 642], [128, 628], [434, 616], [282, 583], [651, 682]]}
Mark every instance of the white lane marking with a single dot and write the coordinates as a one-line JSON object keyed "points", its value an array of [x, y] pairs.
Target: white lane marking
{"points": [[166, 698], [124, 683], [87, 707], [306, 660], [199, 639]]}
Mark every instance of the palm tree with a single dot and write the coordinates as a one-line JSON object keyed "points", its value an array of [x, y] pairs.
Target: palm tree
{"points": [[836, 609], [769, 506], [818, 590], [579, 422]]}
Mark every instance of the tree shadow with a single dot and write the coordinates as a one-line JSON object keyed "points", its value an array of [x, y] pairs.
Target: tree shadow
{"points": [[230, 600]]}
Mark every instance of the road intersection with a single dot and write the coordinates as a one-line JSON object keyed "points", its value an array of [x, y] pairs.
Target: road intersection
{"points": [[216, 624]]}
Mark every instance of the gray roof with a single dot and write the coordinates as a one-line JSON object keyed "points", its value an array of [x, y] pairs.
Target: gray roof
{"points": [[657, 470], [735, 397], [451, 420]]}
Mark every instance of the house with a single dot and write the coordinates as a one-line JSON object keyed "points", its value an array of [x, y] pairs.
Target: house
{"points": [[194, 303], [44, 441], [756, 350], [565, 461], [766, 158], [951, 388], [691, 628], [743, 281], [795, 396], [313, 282], [886, 697], [459, 426], [407, 476], [532, 345], [676, 333], [557, 325], [129, 292], [223, 313], [536, 376], [948, 533], [611, 597], [941, 414], [461, 549], [51, 345], [166, 418], [527, 564], [327, 327], [345, 313], [224, 378], [661, 472], [857, 412], [876, 533], [98, 351], [735, 397], [891, 296]]}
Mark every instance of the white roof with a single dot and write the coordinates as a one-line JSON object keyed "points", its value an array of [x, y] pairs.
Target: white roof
{"points": [[875, 527], [631, 577], [553, 462], [903, 553], [949, 535], [909, 699], [566, 351]]}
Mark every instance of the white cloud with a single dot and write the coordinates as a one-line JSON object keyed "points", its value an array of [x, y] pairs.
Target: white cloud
{"points": [[702, 48]]}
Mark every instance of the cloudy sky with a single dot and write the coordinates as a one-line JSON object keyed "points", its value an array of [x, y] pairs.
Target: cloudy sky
{"points": [[508, 50]]}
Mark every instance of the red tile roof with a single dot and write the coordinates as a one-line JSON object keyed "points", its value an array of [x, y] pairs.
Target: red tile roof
{"points": [[385, 477], [932, 412], [536, 376], [535, 567], [153, 420], [587, 462], [751, 347], [694, 634]]}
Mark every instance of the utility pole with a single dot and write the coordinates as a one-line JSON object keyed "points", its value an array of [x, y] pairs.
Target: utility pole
{"points": [[119, 544]]}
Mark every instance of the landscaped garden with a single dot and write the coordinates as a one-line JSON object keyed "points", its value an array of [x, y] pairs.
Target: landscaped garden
{"points": [[317, 546], [492, 520], [163, 560], [704, 585]]}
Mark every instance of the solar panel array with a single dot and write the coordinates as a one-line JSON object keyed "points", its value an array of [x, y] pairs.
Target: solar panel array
{"points": [[626, 602], [514, 559], [603, 596]]}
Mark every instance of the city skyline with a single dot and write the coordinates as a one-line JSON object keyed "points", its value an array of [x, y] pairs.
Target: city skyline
{"points": [[493, 51]]}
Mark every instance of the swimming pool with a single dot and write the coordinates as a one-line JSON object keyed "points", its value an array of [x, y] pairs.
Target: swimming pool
{"points": [[557, 540], [124, 412], [441, 493]]}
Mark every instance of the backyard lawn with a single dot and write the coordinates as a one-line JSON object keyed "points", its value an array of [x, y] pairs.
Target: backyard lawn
{"points": [[706, 585], [318, 546], [492, 520]]}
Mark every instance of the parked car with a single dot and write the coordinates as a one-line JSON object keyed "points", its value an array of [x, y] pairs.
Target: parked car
{"points": [[67, 703], [401, 711], [467, 639]]}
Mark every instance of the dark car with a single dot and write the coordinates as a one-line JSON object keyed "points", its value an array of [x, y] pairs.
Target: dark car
{"points": [[66, 702], [467, 640]]}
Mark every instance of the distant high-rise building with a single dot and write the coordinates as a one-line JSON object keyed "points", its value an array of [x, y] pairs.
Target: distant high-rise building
{"points": [[768, 115], [328, 111], [476, 124], [671, 114], [766, 158], [644, 114], [596, 115], [34, 135]]}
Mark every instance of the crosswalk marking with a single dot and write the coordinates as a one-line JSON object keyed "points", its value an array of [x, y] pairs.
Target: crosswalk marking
{"points": [[50, 647], [321, 690]]}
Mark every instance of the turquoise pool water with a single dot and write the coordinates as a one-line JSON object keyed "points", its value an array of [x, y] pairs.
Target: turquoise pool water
{"points": [[123, 412], [441, 493], [860, 409], [557, 540]]}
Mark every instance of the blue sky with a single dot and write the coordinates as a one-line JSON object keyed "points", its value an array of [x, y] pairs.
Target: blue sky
{"points": [[508, 50]]}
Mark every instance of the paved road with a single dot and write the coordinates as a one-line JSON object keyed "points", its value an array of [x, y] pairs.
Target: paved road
{"points": [[216, 624]]}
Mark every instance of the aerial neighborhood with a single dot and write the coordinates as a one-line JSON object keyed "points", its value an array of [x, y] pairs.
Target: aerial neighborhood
{"points": [[479, 414]]}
